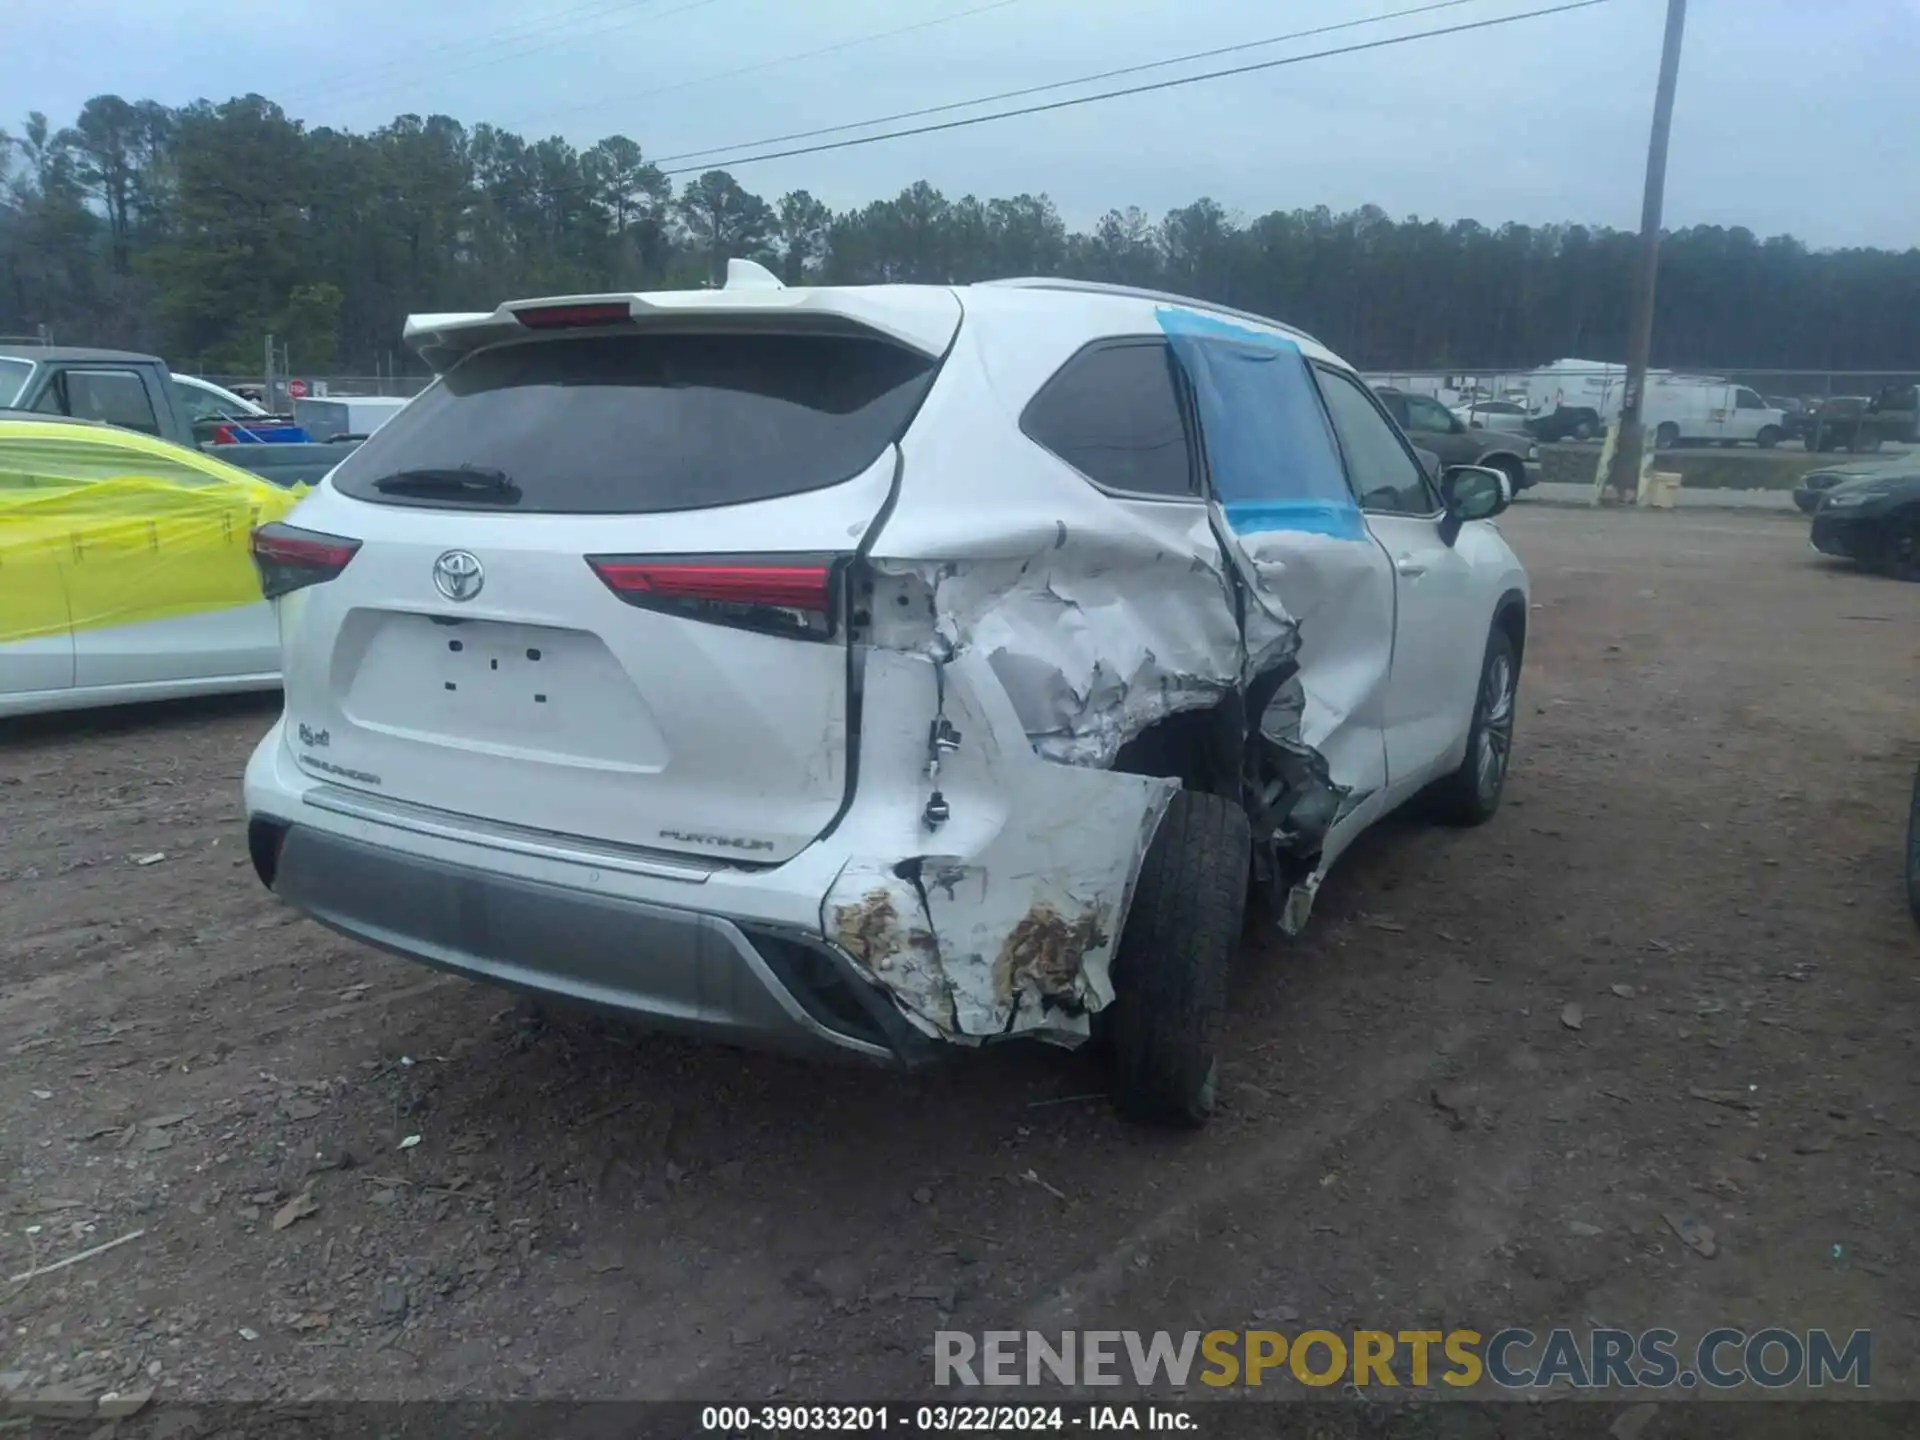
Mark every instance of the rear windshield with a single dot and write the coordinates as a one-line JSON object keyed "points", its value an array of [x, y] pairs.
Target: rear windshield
{"points": [[627, 424]]}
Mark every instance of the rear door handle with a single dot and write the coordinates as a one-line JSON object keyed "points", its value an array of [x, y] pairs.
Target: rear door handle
{"points": [[1409, 567]]}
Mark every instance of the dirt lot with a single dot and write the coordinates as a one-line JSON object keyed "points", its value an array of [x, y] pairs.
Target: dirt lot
{"points": [[1699, 851]]}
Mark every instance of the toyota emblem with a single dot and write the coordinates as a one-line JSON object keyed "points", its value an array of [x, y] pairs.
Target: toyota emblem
{"points": [[458, 575]]}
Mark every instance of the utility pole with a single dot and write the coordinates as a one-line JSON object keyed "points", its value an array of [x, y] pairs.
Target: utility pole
{"points": [[1630, 447]]}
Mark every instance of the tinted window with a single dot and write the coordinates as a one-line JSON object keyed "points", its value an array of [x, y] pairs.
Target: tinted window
{"points": [[1113, 413], [112, 397], [1747, 400], [628, 424], [1388, 478]]}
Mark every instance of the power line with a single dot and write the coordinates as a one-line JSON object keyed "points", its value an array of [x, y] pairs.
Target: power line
{"points": [[518, 30], [1066, 84], [1471, 25], [790, 59], [570, 39]]}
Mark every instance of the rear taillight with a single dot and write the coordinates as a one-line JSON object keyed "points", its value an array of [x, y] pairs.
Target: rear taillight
{"points": [[573, 317], [785, 594], [289, 558]]}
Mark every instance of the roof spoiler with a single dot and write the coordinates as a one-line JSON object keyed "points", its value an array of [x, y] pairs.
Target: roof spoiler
{"points": [[921, 318]]}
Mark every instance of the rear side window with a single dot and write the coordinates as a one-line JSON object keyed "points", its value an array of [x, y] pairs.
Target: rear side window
{"points": [[1113, 413], [112, 397], [634, 424]]}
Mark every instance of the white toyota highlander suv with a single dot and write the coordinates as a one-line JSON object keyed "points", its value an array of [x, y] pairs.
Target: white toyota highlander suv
{"points": [[875, 670]]}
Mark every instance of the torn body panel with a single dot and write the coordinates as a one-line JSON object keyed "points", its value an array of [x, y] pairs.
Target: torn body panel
{"points": [[1003, 919], [1048, 627]]}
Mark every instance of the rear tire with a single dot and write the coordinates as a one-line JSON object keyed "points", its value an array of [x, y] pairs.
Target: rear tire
{"points": [[1170, 971], [1471, 794], [1666, 435]]}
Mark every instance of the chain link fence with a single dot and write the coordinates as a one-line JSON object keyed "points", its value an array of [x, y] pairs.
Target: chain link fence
{"points": [[336, 387]]}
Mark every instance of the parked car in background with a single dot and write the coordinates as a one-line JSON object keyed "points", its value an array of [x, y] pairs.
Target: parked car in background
{"points": [[1859, 423], [1430, 425], [1815, 484], [1568, 422], [139, 393], [205, 400], [124, 569], [1835, 422], [1503, 416], [892, 671], [1872, 517]]}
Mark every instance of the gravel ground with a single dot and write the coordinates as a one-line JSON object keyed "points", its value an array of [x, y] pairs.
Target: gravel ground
{"points": [[1700, 852]]}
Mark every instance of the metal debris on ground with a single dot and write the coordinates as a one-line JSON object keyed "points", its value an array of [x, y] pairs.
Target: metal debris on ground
{"points": [[74, 1259]]}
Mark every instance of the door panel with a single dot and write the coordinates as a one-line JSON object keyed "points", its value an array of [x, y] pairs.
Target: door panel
{"points": [[1437, 649], [1431, 667], [1292, 518], [36, 636], [161, 584]]}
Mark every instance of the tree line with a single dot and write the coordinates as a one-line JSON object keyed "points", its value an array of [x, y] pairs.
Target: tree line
{"points": [[195, 231]]}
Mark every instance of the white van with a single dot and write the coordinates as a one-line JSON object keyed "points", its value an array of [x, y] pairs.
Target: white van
{"points": [[1679, 409]]}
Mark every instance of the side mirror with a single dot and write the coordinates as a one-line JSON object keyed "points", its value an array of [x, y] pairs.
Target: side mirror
{"points": [[1472, 492]]}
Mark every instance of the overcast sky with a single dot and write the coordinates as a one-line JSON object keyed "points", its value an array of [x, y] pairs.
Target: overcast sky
{"points": [[1793, 115]]}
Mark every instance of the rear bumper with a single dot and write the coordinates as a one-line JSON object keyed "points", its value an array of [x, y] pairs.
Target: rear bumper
{"points": [[673, 970], [1006, 932]]}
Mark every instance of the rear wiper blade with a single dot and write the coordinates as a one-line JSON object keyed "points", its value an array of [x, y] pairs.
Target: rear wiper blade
{"points": [[472, 480]]}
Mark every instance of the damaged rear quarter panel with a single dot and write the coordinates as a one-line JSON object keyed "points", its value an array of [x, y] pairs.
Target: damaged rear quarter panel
{"points": [[1004, 920], [1050, 622]]}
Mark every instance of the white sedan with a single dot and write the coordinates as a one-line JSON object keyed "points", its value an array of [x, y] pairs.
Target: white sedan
{"points": [[1501, 415], [124, 569]]}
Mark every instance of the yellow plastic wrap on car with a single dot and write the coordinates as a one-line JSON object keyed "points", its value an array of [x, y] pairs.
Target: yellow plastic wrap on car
{"points": [[104, 527]]}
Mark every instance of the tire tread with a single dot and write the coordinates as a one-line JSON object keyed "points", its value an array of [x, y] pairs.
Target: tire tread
{"points": [[1176, 949]]}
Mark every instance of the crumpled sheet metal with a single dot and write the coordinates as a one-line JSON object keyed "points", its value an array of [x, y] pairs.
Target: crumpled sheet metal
{"points": [[1093, 640], [113, 528], [1004, 921], [1104, 620]]}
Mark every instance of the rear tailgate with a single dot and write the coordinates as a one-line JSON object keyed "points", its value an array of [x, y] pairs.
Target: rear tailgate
{"points": [[629, 627]]}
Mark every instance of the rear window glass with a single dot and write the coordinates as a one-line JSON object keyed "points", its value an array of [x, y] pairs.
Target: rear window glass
{"points": [[626, 424]]}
